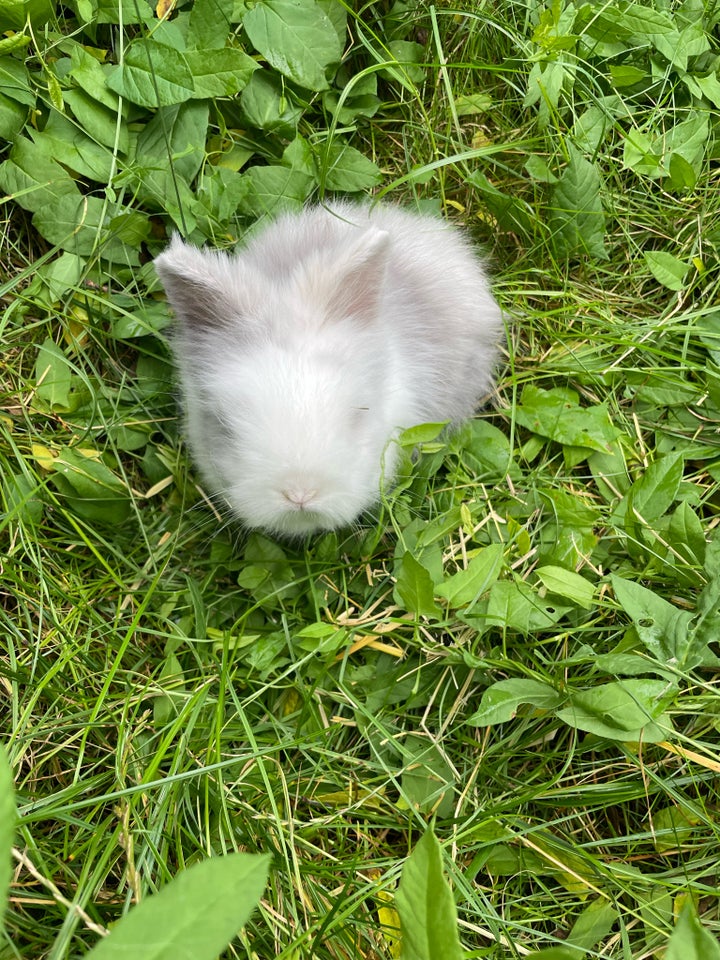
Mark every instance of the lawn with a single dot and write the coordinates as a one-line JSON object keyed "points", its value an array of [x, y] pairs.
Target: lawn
{"points": [[518, 654]]}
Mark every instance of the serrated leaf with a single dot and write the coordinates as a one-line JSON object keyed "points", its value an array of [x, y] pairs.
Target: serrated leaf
{"points": [[627, 710], [296, 37], [152, 75], [470, 584], [502, 700], [196, 915], [577, 216], [428, 917], [414, 587]]}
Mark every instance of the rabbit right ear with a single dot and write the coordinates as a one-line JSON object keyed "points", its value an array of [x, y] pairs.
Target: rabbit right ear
{"points": [[198, 284], [359, 277]]}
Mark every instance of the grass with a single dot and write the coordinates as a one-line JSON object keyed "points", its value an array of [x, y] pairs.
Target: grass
{"points": [[174, 688]]}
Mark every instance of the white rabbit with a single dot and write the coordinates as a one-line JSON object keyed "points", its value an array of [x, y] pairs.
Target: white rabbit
{"points": [[303, 355]]}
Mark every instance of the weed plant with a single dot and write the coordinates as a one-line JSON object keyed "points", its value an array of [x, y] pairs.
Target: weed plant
{"points": [[521, 650]]}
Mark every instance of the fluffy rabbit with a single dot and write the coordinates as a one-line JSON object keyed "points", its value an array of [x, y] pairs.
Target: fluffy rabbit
{"points": [[304, 353]]}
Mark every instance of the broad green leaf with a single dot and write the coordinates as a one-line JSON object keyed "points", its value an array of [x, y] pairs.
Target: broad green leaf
{"points": [[408, 57], [69, 145], [690, 940], [687, 534], [152, 75], [53, 377], [427, 778], [273, 189], [557, 415], [13, 116], [219, 73], [345, 169], [7, 829], [502, 700], [267, 105], [91, 77], [568, 584], [34, 178], [710, 87], [196, 915], [626, 74], [641, 19], [470, 584], [661, 627], [627, 710], [98, 120], [209, 24], [428, 918], [89, 488], [577, 216], [667, 269], [652, 495], [297, 38], [593, 925], [125, 11], [414, 587], [682, 176], [15, 82], [473, 103], [515, 605], [14, 13], [77, 224]]}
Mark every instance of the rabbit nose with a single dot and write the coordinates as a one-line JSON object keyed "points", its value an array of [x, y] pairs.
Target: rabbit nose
{"points": [[300, 497]]}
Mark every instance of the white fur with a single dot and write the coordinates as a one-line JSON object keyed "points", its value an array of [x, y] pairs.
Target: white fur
{"points": [[303, 355]]}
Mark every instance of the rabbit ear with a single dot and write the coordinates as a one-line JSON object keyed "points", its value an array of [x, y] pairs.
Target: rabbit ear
{"points": [[355, 285], [196, 283]]}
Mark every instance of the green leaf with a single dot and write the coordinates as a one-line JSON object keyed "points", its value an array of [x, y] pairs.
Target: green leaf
{"points": [[661, 627], [14, 13], [653, 494], [99, 120], [297, 38], [7, 829], [472, 104], [152, 75], [467, 586], [627, 710], [690, 940], [592, 926], [414, 588], [345, 169], [12, 118], [643, 20], [428, 917], [556, 414], [209, 24], [267, 105], [23, 503], [515, 605], [501, 701], [53, 377], [427, 779], [219, 73], [91, 76], [667, 269], [15, 81], [89, 488], [34, 178], [273, 189], [73, 148], [196, 915], [577, 216], [568, 584]]}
